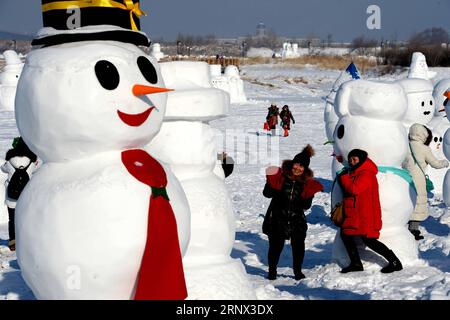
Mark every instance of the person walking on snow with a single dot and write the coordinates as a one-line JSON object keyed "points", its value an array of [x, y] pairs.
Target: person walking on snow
{"points": [[363, 212], [286, 117], [417, 161], [20, 164], [272, 117], [292, 188]]}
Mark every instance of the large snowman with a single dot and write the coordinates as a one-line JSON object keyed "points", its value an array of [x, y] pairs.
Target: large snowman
{"points": [[101, 219], [370, 115]]}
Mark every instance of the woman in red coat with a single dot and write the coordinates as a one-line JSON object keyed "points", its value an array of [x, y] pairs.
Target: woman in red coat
{"points": [[363, 212]]}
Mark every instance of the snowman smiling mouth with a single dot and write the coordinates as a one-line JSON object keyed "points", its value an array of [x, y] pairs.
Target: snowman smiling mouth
{"points": [[135, 120]]}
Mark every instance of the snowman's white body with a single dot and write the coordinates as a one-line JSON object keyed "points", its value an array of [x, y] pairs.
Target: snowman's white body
{"points": [[91, 248], [331, 118], [370, 119], [189, 144], [9, 78], [82, 220]]}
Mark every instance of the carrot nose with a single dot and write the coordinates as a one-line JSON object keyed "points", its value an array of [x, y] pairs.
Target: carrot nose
{"points": [[447, 94], [140, 90]]}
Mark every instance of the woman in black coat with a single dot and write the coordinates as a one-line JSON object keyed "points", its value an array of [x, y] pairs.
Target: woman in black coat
{"points": [[292, 189]]}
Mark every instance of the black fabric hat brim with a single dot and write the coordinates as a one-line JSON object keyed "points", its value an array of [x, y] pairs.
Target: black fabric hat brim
{"points": [[126, 36]]}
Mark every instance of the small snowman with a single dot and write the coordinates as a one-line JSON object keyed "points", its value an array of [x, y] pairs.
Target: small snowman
{"points": [[101, 219], [189, 144], [9, 78], [421, 105], [440, 115], [419, 67], [437, 148], [419, 91], [370, 115]]}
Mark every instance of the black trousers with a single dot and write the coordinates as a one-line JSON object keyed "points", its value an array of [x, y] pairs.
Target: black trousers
{"points": [[276, 245], [372, 243], [11, 224]]}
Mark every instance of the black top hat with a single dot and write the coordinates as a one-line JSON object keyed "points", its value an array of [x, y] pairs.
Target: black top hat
{"points": [[74, 21]]}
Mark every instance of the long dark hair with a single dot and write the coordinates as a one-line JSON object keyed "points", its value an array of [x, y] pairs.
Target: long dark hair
{"points": [[430, 136]]}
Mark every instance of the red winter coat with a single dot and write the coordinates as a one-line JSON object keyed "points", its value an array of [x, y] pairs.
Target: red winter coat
{"points": [[361, 201]]}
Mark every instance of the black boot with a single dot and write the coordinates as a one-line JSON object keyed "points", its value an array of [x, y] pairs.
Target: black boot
{"points": [[298, 275], [272, 274], [394, 263], [353, 267], [416, 234], [352, 251]]}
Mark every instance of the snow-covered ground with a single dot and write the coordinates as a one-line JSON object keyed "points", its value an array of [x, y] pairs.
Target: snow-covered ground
{"points": [[303, 90]]}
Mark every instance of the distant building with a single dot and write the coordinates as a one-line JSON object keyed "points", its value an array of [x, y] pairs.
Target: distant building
{"points": [[261, 30]]}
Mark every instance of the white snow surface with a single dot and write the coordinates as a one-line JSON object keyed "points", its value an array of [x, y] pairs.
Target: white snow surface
{"points": [[427, 279]]}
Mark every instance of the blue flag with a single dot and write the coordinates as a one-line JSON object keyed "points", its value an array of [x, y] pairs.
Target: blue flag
{"points": [[351, 69]]}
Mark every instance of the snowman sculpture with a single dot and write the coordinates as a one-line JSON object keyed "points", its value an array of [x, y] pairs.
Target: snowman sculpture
{"points": [[436, 146], [419, 67], [370, 115], [101, 219], [188, 143], [440, 115], [9, 77], [421, 105]]}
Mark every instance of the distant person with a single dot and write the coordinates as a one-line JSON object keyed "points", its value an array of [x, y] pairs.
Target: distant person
{"points": [[272, 118], [292, 188], [417, 161], [362, 212], [20, 164], [286, 117]]}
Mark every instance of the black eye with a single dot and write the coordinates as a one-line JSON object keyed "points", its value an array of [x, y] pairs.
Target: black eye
{"points": [[431, 102], [435, 139], [107, 74], [341, 131], [423, 103], [445, 102], [147, 69], [440, 139]]}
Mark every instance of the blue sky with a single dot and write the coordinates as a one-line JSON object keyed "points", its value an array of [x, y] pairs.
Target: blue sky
{"points": [[344, 19]]}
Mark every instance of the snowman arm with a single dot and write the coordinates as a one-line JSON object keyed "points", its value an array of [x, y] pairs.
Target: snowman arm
{"points": [[433, 162], [357, 185]]}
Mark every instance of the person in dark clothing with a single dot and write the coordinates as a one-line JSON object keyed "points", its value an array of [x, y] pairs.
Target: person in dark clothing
{"points": [[272, 117], [292, 188], [20, 164], [363, 212], [286, 117]]}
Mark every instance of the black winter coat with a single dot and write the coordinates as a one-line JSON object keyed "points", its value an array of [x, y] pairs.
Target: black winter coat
{"points": [[285, 216]]}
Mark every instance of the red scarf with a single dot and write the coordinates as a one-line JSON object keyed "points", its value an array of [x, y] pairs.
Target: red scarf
{"points": [[161, 276]]}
